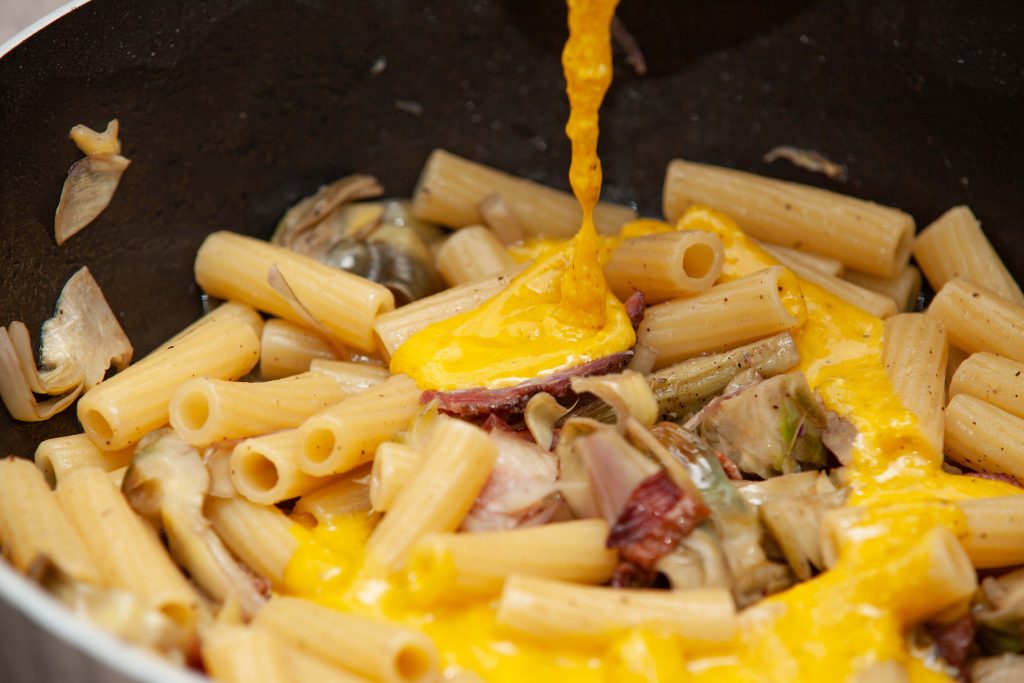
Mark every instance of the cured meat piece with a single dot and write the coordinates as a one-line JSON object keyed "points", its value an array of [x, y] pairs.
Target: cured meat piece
{"points": [[480, 401], [658, 515]]}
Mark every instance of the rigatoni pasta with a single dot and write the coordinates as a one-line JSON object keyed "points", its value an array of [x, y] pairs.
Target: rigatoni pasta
{"points": [[978, 319], [395, 327], [903, 288], [264, 468], [236, 267], [472, 254], [914, 353], [259, 535], [55, 457], [33, 526], [382, 651], [345, 436], [123, 409], [569, 551], [547, 608], [869, 237], [347, 495], [127, 553], [954, 246], [725, 316], [666, 265], [983, 437], [287, 348], [451, 188], [204, 410], [456, 462], [993, 379]]}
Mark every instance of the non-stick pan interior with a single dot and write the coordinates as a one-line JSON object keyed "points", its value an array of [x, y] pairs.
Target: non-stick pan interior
{"points": [[231, 110]]}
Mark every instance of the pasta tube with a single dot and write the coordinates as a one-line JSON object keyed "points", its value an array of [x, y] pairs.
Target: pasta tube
{"points": [[395, 327], [914, 354], [903, 288], [954, 246], [393, 467], [345, 496], [236, 267], [263, 469], [787, 257], [288, 349], [346, 435], [546, 608], [723, 317], [126, 551], [56, 457], [993, 379], [983, 437], [228, 309], [995, 531], [457, 460], [380, 650], [121, 410], [862, 235], [978, 319], [665, 266], [878, 305], [451, 188], [33, 525], [204, 410], [472, 254], [353, 377], [570, 551], [235, 654], [259, 535]]}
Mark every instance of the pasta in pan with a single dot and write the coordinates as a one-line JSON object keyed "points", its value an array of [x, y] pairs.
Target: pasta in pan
{"points": [[537, 473]]}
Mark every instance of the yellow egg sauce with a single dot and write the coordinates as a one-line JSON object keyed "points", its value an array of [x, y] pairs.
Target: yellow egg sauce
{"points": [[558, 313]]}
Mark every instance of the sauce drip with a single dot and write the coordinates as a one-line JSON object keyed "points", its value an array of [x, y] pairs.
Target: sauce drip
{"points": [[559, 312]]}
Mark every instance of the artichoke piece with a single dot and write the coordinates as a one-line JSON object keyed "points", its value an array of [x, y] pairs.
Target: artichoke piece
{"points": [[167, 484], [380, 241], [770, 427]]}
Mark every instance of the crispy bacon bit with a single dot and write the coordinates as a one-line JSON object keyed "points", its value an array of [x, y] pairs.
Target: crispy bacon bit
{"points": [[480, 401], [998, 476], [636, 305], [729, 466], [657, 516], [954, 641]]}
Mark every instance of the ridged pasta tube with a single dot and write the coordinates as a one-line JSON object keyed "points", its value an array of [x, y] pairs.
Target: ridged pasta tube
{"points": [[379, 650], [204, 410], [345, 436], [955, 246], [665, 266], [863, 235], [121, 410], [236, 267], [723, 317], [451, 188]]}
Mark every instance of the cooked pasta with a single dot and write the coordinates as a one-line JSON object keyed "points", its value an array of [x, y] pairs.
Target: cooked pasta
{"points": [[120, 411], [869, 237], [725, 316], [451, 188], [954, 246]]}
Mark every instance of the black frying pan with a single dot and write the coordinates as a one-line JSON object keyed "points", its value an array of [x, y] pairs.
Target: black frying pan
{"points": [[232, 110]]}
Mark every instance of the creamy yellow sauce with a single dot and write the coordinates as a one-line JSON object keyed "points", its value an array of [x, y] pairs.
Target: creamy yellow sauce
{"points": [[560, 313], [825, 629]]}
